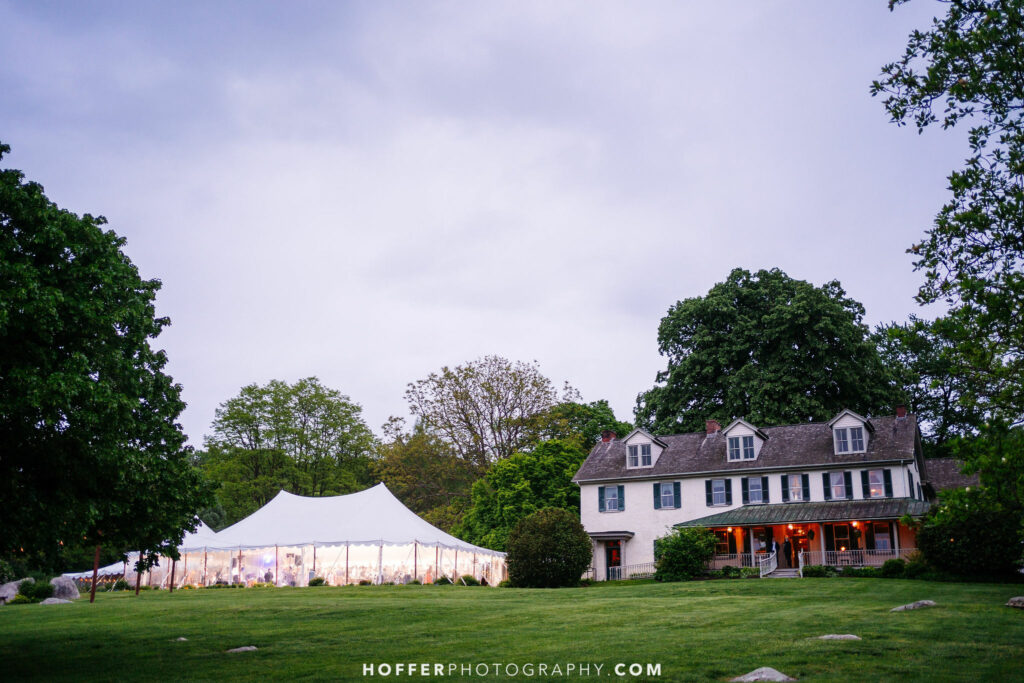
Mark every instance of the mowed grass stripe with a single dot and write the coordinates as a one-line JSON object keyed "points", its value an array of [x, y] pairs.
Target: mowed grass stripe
{"points": [[696, 631]]}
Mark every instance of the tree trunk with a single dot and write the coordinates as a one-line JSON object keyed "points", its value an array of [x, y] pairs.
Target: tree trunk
{"points": [[174, 564], [138, 574], [95, 573]]}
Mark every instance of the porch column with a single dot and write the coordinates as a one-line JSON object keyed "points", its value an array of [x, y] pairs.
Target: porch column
{"points": [[896, 537], [821, 541]]}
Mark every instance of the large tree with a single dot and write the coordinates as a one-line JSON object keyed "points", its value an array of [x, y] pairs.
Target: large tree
{"points": [[582, 423], [767, 348], [486, 409], [304, 437], [90, 447], [968, 68]]}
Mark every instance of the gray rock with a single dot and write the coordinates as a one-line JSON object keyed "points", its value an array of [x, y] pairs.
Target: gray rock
{"points": [[1016, 602], [9, 590], [247, 648], [839, 636], [55, 601], [64, 588], [914, 605], [765, 673], [181, 638]]}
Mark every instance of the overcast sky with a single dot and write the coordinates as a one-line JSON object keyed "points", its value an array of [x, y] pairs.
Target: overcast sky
{"points": [[368, 191]]}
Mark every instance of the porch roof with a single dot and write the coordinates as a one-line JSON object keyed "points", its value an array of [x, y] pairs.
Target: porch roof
{"points": [[829, 511]]}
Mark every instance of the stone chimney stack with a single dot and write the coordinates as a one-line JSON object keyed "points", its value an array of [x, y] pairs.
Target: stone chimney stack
{"points": [[901, 412], [712, 426], [607, 435]]}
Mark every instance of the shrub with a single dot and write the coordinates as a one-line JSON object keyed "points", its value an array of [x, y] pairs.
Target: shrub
{"points": [[583, 582], [469, 580], [317, 581], [916, 566], [37, 591], [730, 572], [120, 585], [683, 554], [894, 568], [750, 572], [262, 584], [414, 582], [442, 581], [365, 582], [6, 571], [819, 571], [862, 572], [968, 533], [508, 584], [20, 599], [548, 549]]}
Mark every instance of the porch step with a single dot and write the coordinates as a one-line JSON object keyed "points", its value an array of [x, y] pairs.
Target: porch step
{"points": [[784, 574]]}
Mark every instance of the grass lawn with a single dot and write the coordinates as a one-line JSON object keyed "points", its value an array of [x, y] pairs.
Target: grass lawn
{"points": [[696, 631]]}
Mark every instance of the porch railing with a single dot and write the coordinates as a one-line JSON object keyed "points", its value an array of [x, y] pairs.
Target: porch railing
{"points": [[768, 564], [644, 570], [734, 560], [852, 558]]}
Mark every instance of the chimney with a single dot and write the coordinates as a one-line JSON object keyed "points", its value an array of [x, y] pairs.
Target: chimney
{"points": [[901, 412], [712, 426], [607, 435]]}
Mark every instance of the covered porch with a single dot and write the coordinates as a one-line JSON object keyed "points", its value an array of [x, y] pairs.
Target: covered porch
{"points": [[857, 533]]}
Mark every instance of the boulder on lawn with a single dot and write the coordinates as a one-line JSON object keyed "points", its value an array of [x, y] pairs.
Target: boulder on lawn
{"points": [[914, 605], [765, 673], [1017, 602], [244, 648], [55, 601], [64, 588], [839, 636], [9, 590]]}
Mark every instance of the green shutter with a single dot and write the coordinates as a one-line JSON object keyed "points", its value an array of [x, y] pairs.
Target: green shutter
{"points": [[745, 486], [869, 536], [657, 496], [805, 479], [728, 491], [622, 497], [600, 499], [707, 490], [848, 484], [677, 494], [865, 484], [826, 484], [785, 488], [888, 482], [764, 490]]}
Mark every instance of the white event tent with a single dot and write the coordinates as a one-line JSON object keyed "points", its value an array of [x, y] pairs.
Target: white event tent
{"points": [[369, 536]]}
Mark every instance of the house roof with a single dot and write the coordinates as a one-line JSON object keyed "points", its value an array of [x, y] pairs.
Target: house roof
{"points": [[944, 473], [830, 511], [791, 446]]}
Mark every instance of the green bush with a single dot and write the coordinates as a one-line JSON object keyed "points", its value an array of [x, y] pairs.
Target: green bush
{"points": [[414, 582], [548, 549], [730, 572], [683, 554], [894, 568], [968, 534], [6, 571], [442, 581], [365, 582], [262, 584], [20, 599], [317, 581], [818, 571], [120, 585], [750, 573], [916, 567], [508, 584], [36, 592], [469, 580]]}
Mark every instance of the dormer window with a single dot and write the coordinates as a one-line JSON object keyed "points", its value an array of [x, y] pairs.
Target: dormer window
{"points": [[640, 455], [849, 440], [741, 447]]}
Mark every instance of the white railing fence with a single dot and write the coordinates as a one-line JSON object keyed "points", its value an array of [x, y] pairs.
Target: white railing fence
{"points": [[644, 570], [852, 558], [768, 564], [733, 560]]}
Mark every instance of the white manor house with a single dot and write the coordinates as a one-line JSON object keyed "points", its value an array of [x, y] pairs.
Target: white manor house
{"points": [[830, 493]]}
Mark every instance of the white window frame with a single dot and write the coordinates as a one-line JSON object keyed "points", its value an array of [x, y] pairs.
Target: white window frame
{"points": [[748, 448], [633, 457], [838, 490], [715, 492], [796, 488], [857, 437], [735, 448], [872, 484], [888, 534], [750, 491], [609, 498], [645, 455], [667, 489], [842, 440]]}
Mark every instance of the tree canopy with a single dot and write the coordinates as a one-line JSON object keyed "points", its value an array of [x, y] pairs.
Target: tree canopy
{"points": [[90, 447], [767, 348], [486, 409], [305, 438], [968, 67]]}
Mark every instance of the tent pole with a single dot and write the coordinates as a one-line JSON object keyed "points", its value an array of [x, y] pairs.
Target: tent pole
{"points": [[437, 561], [455, 569], [474, 568], [204, 568], [314, 559], [415, 576], [240, 565], [95, 571], [174, 565], [276, 562], [380, 564], [346, 563]]}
